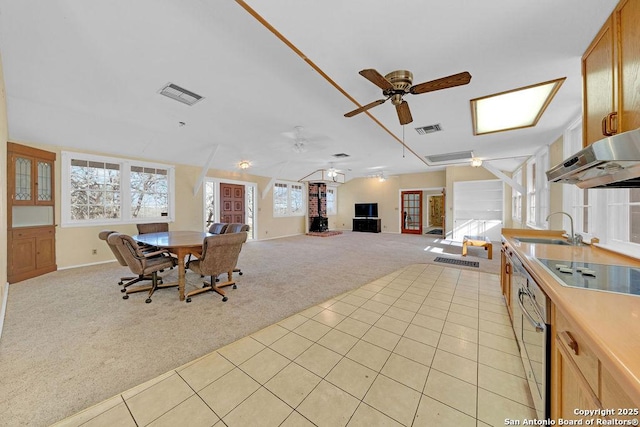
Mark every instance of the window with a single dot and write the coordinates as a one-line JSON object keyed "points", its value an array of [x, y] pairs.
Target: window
{"points": [[538, 189], [332, 208], [531, 192], [288, 199], [611, 214], [101, 190], [516, 197]]}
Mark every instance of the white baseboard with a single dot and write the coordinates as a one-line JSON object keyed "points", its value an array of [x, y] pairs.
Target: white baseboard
{"points": [[3, 309], [86, 265]]}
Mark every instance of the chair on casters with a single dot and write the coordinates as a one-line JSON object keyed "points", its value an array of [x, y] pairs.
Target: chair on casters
{"points": [[130, 280], [219, 255], [236, 227], [143, 263], [152, 227], [218, 228]]}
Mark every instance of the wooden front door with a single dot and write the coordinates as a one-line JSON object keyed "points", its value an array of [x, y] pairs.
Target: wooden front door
{"points": [[232, 203], [411, 212]]}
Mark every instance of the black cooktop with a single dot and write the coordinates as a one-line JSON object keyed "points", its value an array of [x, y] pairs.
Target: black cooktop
{"points": [[600, 277]]}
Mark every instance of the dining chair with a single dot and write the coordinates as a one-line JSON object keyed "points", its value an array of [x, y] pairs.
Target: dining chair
{"points": [[152, 227], [219, 255], [237, 227], [218, 228], [128, 280], [143, 263]]}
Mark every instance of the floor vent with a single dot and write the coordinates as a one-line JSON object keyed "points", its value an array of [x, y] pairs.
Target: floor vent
{"points": [[458, 262], [450, 157], [429, 129], [179, 94]]}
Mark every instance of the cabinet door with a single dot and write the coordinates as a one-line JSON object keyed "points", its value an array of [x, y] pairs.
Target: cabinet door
{"points": [[43, 192], [22, 255], [574, 393], [46, 249], [598, 83], [627, 17], [20, 179]]}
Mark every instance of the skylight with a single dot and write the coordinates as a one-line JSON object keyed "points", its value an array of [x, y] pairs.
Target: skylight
{"points": [[514, 109]]}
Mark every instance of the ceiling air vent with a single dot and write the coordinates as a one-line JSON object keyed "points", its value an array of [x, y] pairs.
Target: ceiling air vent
{"points": [[340, 155], [450, 157], [180, 94], [429, 129]]}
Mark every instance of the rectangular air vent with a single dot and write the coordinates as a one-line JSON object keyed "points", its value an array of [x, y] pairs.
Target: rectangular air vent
{"points": [[179, 94], [429, 129], [450, 157], [341, 155]]}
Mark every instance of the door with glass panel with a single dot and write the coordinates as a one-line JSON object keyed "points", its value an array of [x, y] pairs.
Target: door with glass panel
{"points": [[411, 212]]}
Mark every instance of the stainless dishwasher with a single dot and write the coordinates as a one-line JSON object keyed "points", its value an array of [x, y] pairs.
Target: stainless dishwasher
{"points": [[531, 318]]}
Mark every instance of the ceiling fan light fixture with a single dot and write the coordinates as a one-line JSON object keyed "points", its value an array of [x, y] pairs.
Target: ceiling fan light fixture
{"points": [[513, 109], [245, 164]]}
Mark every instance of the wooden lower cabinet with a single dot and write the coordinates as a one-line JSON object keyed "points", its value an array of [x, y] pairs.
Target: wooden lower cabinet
{"points": [[32, 253], [579, 381]]}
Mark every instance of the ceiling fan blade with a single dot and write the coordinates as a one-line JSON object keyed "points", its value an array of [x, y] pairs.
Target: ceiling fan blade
{"points": [[442, 83], [365, 108], [376, 78], [404, 114]]}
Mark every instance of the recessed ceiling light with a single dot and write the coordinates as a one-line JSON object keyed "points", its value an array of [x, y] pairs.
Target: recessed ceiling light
{"points": [[514, 109], [244, 165]]}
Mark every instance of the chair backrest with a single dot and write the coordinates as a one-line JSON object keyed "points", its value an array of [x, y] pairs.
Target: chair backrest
{"points": [[103, 235], [136, 260], [218, 228], [152, 227], [220, 253], [236, 227]]}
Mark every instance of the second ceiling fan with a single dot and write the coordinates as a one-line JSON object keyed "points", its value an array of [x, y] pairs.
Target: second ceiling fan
{"points": [[398, 83]]}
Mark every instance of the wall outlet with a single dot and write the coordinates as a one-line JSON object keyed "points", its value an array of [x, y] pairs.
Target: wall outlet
{"points": [[94, 252]]}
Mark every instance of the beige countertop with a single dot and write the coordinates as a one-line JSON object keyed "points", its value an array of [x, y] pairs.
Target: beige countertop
{"points": [[609, 322]]}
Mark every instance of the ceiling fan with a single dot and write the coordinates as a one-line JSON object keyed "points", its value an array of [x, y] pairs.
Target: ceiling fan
{"points": [[398, 83], [302, 140]]}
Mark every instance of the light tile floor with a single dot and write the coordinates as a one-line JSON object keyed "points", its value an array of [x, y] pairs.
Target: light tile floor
{"points": [[424, 346]]}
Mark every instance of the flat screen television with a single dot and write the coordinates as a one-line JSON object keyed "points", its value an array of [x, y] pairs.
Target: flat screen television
{"points": [[366, 210]]}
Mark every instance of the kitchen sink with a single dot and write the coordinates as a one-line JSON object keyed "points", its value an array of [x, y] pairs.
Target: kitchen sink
{"points": [[542, 240]]}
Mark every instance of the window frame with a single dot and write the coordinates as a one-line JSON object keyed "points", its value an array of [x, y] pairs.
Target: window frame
{"points": [[125, 192], [333, 208], [290, 186]]}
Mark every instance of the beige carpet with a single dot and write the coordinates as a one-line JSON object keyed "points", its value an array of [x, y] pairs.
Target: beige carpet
{"points": [[70, 341]]}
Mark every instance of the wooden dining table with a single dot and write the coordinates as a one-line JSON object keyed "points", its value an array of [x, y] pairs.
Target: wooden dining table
{"points": [[179, 243]]}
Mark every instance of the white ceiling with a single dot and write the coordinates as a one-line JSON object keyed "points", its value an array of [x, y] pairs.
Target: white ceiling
{"points": [[86, 75]]}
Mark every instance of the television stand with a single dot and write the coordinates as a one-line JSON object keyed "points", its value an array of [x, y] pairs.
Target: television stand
{"points": [[367, 225]]}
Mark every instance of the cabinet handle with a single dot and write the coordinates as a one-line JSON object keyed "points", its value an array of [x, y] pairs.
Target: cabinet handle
{"points": [[507, 268], [568, 340], [609, 124]]}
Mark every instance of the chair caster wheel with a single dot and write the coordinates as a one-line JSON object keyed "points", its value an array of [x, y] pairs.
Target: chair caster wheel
{"points": [[148, 300], [160, 282], [188, 299], [125, 297], [240, 273], [217, 280], [123, 290], [120, 283], [235, 287], [224, 299]]}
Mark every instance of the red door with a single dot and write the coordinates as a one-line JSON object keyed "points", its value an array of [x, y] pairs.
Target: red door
{"points": [[412, 212], [232, 203]]}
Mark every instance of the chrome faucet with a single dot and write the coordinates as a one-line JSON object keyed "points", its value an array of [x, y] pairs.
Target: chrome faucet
{"points": [[574, 239]]}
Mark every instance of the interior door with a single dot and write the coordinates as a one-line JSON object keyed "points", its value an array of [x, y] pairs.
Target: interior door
{"points": [[412, 212], [436, 210], [232, 207]]}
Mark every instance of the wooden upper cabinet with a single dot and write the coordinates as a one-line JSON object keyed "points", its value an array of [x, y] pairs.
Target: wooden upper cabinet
{"points": [[627, 16], [611, 73], [30, 176], [598, 84]]}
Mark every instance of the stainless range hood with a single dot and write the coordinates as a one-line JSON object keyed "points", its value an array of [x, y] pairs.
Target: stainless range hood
{"points": [[613, 162]]}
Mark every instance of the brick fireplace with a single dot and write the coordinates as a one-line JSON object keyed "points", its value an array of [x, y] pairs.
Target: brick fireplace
{"points": [[318, 220]]}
